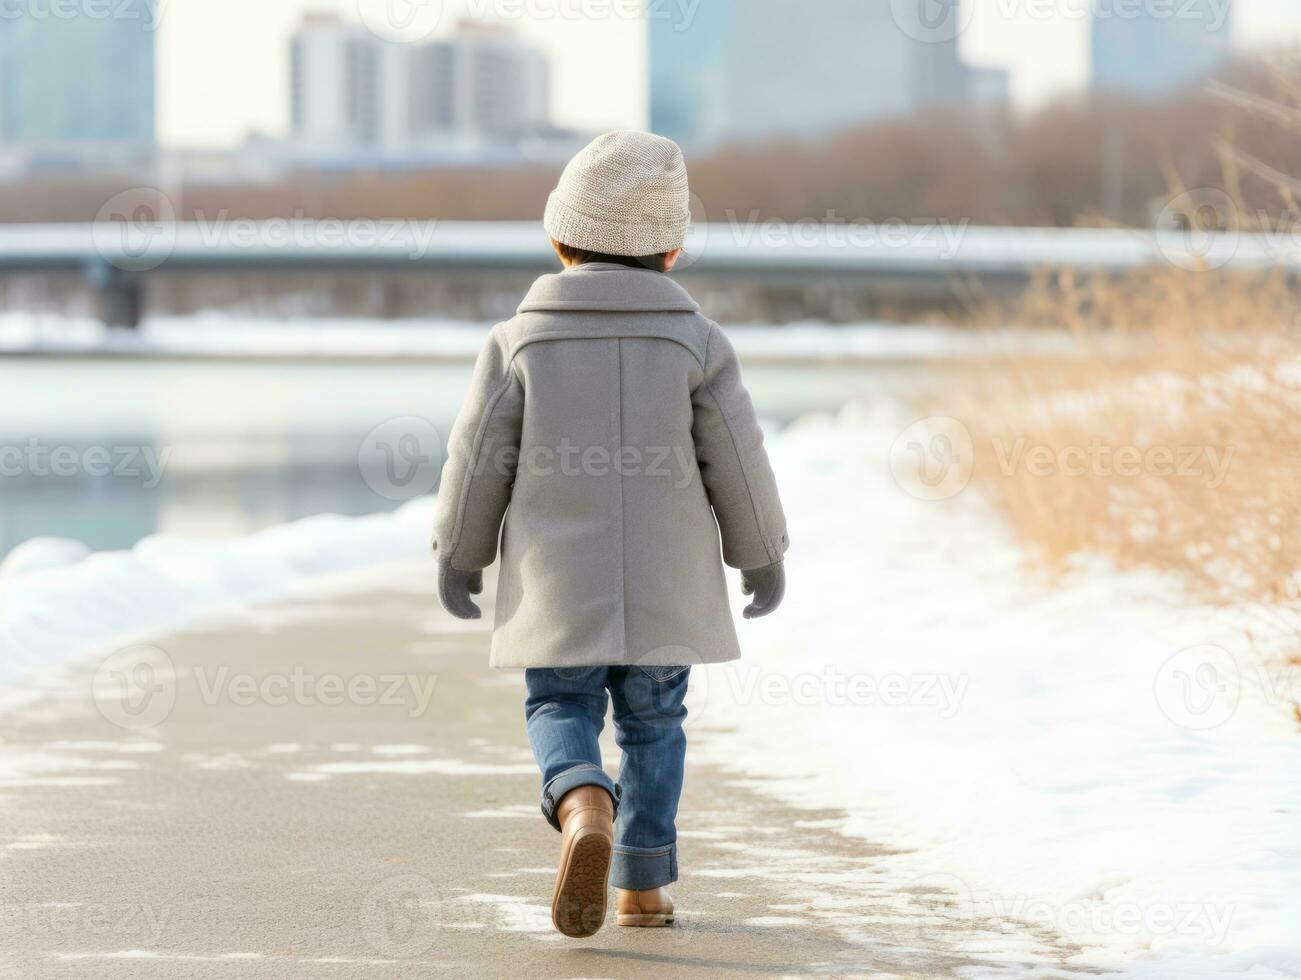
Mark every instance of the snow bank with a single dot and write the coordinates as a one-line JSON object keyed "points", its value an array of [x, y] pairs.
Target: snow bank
{"points": [[54, 607], [1056, 757]]}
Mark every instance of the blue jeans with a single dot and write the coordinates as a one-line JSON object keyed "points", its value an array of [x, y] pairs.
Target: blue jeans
{"points": [[565, 712]]}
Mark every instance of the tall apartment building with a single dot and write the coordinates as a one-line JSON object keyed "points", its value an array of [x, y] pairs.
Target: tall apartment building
{"points": [[687, 70], [1153, 50], [83, 79], [352, 89], [758, 68], [504, 81], [336, 82]]}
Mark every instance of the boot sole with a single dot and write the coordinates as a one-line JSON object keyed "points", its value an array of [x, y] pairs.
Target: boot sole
{"points": [[578, 907], [646, 919]]}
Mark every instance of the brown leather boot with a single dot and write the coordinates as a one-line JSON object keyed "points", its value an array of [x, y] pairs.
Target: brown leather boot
{"points": [[648, 908], [586, 818]]}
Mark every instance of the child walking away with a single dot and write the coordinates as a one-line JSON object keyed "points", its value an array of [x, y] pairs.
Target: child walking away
{"points": [[607, 424]]}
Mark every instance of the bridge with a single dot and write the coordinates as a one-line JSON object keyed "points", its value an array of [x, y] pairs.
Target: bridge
{"points": [[117, 256]]}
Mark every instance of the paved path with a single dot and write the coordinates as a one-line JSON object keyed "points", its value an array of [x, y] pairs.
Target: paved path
{"points": [[339, 787]]}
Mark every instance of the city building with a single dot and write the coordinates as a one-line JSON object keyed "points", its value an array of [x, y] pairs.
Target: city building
{"points": [[83, 81], [687, 63], [503, 83], [336, 82], [1152, 51], [481, 83], [740, 71], [351, 89]]}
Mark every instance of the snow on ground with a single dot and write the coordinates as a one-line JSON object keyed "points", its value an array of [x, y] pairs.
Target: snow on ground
{"points": [[1101, 760], [57, 603]]}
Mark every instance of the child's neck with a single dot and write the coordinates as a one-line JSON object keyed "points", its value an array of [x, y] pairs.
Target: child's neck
{"points": [[630, 261]]}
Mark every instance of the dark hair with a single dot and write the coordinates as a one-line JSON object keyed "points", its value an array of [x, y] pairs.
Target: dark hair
{"points": [[580, 256]]}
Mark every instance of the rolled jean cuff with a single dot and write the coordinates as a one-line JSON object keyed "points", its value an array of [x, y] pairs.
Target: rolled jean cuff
{"points": [[585, 774], [642, 868]]}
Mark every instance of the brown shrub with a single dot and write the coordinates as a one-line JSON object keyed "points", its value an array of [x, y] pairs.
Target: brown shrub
{"points": [[1196, 379]]}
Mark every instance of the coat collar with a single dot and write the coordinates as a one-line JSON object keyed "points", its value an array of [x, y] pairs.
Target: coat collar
{"points": [[608, 286]]}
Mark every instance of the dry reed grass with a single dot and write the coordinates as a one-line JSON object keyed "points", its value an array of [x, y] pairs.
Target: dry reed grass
{"points": [[1171, 361], [1168, 437]]}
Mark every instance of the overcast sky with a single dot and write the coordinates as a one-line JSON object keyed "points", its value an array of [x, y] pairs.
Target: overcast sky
{"points": [[223, 64]]}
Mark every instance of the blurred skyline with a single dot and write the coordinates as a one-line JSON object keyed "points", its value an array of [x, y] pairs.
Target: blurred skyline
{"points": [[599, 63]]}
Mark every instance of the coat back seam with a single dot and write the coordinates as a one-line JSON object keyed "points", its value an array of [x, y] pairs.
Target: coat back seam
{"points": [[623, 517]]}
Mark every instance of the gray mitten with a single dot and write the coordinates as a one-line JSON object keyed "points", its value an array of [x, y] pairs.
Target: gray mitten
{"points": [[767, 585], [455, 588]]}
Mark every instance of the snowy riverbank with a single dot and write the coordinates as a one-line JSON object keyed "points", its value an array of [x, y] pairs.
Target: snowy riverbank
{"points": [[1101, 759], [54, 607], [1059, 757]]}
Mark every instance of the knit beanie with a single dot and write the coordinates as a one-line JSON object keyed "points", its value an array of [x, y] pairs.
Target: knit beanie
{"points": [[625, 193]]}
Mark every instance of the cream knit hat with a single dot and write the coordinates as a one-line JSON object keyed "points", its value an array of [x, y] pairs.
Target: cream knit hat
{"points": [[625, 193]]}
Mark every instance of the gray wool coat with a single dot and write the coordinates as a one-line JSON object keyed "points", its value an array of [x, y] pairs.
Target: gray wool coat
{"points": [[607, 423]]}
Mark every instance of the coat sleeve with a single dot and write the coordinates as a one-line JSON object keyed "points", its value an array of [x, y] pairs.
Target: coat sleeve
{"points": [[482, 454], [733, 464]]}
